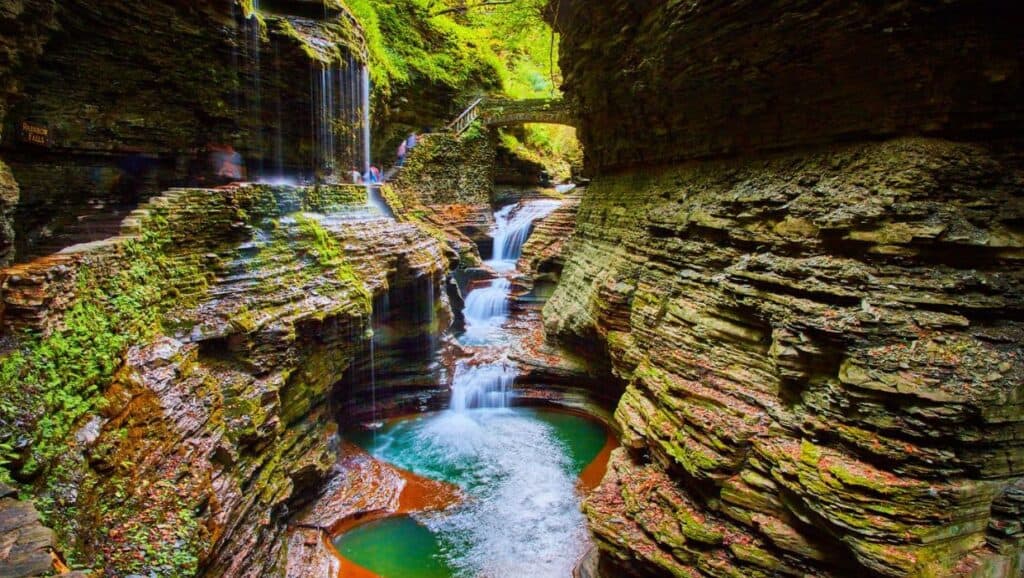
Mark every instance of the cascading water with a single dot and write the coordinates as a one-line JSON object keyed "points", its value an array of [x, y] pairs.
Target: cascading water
{"points": [[482, 386], [373, 196], [339, 105], [365, 83], [513, 225], [518, 467], [486, 310], [253, 48], [322, 121]]}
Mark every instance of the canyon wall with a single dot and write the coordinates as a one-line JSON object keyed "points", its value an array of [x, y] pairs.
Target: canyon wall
{"points": [[656, 81], [820, 327], [105, 104], [204, 342], [445, 186]]}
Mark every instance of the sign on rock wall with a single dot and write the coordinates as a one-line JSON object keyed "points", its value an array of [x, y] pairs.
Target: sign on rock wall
{"points": [[35, 134]]}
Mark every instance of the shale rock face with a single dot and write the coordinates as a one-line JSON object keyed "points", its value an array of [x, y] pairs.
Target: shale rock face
{"points": [[215, 428], [822, 350], [821, 346], [657, 80], [8, 201], [24, 542], [445, 186]]}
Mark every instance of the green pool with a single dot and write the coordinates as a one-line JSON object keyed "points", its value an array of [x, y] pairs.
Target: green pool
{"points": [[519, 469]]}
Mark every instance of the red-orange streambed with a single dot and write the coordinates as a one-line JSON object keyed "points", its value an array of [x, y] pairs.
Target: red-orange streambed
{"points": [[522, 472]]}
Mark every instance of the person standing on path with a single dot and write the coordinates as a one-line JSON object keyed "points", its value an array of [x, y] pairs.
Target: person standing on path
{"points": [[402, 150]]}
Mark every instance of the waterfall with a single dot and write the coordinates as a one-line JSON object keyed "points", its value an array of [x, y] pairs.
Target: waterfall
{"points": [[365, 77], [253, 44], [486, 310], [513, 225], [279, 129], [488, 304], [323, 100], [481, 386], [339, 97]]}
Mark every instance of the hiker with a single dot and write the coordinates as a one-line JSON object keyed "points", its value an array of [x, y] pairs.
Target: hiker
{"points": [[402, 150], [375, 173], [412, 141], [226, 163], [357, 177]]}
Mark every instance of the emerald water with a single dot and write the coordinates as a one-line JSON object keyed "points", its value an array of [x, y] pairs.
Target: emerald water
{"points": [[518, 469]]}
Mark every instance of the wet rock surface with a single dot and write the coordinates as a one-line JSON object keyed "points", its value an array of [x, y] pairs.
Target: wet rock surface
{"points": [[25, 543], [822, 353], [821, 346], [217, 429], [120, 126], [9, 194], [656, 82]]}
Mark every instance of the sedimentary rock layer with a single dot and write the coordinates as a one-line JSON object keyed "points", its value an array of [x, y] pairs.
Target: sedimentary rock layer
{"points": [[823, 357], [445, 186], [655, 81], [93, 127], [215, 428]]}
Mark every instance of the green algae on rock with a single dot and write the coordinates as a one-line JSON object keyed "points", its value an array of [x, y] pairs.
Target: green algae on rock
{"points": [[741, 338], [210, 408]]}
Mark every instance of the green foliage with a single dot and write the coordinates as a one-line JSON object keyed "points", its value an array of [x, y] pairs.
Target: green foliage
{"points": [[555, 147], [475, 132], [524, 43], [407, 45], [51, 381]]}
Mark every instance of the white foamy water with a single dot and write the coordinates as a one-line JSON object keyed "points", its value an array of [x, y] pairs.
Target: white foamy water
{"points": [[521, 517], [482, 386], [486, 309], [513, 225]]}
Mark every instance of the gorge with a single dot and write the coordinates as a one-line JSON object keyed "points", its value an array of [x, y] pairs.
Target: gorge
{"points": [[769, 324]]}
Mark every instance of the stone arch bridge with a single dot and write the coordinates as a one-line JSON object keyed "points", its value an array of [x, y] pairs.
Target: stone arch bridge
{"points": [[496, 112]]}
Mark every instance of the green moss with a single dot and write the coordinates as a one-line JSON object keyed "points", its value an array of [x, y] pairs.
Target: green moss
{"points": [[695, 530], [51, 381]]}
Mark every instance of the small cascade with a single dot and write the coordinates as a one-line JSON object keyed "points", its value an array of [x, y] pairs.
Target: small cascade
{"points": [[486, 310], [365, 82], [279, 112], [322, 97], [488, 304], [513, 225], [482, 386], [252, 43], [373, 381]]}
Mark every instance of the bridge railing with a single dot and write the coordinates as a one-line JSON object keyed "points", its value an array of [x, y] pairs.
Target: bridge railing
{"points": [[472, 112]]}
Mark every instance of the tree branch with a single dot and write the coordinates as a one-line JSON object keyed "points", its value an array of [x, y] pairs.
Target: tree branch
{"points": [[468, 8]]}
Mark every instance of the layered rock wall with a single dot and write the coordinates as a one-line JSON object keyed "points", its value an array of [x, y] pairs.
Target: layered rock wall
{"points": [[655, 81], [821, 346], [91, 128], [446, 186], [822, 351], [227, 316]]}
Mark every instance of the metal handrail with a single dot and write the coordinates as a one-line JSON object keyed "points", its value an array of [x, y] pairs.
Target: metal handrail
{"points": [[462, 122]]}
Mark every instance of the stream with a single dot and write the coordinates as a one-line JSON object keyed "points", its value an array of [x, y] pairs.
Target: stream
{"points": [[518, 468]]}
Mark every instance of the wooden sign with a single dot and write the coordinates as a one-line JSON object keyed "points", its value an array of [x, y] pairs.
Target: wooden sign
{"points": [[35, 134]]}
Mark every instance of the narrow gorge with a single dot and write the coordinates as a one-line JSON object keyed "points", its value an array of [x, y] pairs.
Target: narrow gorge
{"points": [[544, 288]]}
